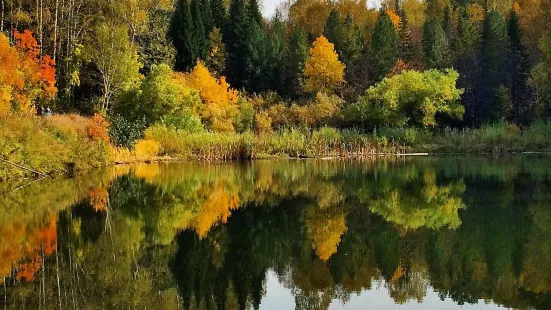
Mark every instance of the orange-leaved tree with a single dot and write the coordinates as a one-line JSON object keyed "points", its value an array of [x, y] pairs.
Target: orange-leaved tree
{"points": [[219, 100], [323, 72], [25, 77]]}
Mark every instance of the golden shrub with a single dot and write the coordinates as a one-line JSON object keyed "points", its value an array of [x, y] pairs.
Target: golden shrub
{"points": [[147, 148]]}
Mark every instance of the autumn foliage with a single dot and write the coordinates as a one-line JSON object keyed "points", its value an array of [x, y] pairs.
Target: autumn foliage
{"points": [[219, 100], [25, 77], [98, 128], [323, 72]]}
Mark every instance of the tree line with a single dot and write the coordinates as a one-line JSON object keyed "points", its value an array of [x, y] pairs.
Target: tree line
{"points": [[105, 51]]}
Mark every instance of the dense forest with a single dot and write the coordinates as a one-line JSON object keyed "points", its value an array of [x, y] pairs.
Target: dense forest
{"points": [[207, 66]]}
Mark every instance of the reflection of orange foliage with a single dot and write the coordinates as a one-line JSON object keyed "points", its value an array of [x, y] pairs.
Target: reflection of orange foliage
{"points": [[326, 232], [398, 274], [26, 245], [98, 128], [99, 198], [217, 207]]}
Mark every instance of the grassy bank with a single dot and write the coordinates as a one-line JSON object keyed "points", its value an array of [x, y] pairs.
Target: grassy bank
{"points": [[329, 142], [66, 143], [50, 145]]}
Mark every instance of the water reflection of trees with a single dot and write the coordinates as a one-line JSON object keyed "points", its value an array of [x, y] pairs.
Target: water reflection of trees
{"points": [[206, 236]]}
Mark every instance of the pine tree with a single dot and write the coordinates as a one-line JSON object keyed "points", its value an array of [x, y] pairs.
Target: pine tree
{"points": [[255, 58], [257, 75], [465, 47], [520, 71], [253, 11], [384, 47], [276, 55], [199, 34], [207, 16], [236, 40], [404, 33], [218, 13], [181, 32], [333, 28], [295, 57], [351, 44], [435, 45], [494, 43]]}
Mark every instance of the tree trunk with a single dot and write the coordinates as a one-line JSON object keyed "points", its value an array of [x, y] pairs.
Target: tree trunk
{"points": [[55, 31], [2, 21]]}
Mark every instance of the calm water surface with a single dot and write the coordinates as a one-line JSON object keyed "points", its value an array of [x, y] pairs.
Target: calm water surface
{"points": [[415, 233]]}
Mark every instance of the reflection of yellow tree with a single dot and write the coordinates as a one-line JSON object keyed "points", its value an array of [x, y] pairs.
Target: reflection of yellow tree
{"points": [[325, 230], [99, 198], [220, 200]]}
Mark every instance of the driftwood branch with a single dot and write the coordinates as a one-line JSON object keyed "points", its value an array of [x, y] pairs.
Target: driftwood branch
{"points": [[24, 168]]}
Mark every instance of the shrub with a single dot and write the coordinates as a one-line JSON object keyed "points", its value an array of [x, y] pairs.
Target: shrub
{"points": [[124, 132], [147, 148], [98, 128]]}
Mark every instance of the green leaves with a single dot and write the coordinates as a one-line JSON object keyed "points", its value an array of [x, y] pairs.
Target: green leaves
{"points": [[409, 99]]}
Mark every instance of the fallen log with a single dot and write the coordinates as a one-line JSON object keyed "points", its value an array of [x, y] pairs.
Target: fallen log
{"points": [[24, 168]]}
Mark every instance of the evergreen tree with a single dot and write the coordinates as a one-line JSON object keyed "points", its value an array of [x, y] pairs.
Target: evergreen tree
{"points": [[333, 28], [256, 78], [384, 47], [276, 54], [236, 34], [255, 58], [295, 57], [218, 13], [253, 11], [207, 16], [199, 34], [405, 43], [520, 71], [181, 31], [351, 44], [435, 45], [465, 47], [494, 43]]}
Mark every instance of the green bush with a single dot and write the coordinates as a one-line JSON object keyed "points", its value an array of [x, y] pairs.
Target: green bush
{"points": [[124, 132]]}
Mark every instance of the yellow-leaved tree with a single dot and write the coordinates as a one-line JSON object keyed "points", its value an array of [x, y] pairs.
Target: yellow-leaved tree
{"points": [[219, 100], [323, 72]]}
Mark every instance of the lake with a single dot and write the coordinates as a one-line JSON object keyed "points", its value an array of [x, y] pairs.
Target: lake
{"points": [[391, 233]]}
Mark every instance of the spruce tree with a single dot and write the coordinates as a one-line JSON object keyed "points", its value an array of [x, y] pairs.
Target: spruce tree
{"points": [[466, 62], [494, 44], [351, 44], [405, 43], [520, 73], [276, 54], [199, 35], [255, 58], [333, 28], [236, 40], [181, 32], [295, 57], [218, 13], [253, 11], [435, 45], [384, 47], [207, 16]]}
